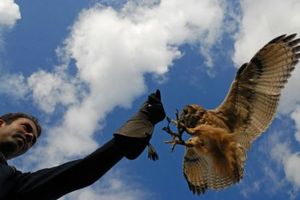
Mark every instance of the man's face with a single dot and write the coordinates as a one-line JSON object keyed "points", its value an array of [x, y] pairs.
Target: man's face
{"points": [[16, 138]]}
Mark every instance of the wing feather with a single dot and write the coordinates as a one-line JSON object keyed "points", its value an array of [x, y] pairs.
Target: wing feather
{"points": [[252, 100], [201, 173], [195, 170]]}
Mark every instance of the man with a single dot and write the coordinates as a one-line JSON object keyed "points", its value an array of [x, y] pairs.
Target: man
{"points": [[19, 132]]}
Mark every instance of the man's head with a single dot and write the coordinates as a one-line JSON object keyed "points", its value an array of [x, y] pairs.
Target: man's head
{"points": [[18, 132]]}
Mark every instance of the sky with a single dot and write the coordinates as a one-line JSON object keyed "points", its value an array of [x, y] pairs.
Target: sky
{"points": [[85, 67]]}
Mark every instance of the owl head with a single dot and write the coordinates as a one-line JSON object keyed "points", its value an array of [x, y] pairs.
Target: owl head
{"points": [[191, 115]]}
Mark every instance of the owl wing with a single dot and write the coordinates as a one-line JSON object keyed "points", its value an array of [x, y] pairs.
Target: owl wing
{"points": [[201, 172], [252, 100]]}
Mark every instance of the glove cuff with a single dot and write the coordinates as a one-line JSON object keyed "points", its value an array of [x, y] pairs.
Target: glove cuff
{"points": [[134, 135]]}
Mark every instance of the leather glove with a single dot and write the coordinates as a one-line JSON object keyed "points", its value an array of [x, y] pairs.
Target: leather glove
{"points": [[153, 108], [136, 133]]}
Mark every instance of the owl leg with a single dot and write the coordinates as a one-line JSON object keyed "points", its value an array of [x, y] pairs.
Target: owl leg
{"points": [[174, 142], [191, 131], [176, 137]]}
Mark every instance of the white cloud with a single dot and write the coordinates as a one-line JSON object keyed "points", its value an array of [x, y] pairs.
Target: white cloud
{"points": [[296, 117], [255, 187], [276, 162], [267, 157], [261, 21], [9, 13], [290, 161], [51, 89], [280, 151], [290, 98], [292, 168], [14, 85], [111, 188]]}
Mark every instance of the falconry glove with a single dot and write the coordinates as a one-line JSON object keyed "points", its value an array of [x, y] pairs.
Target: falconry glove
{"points": [[136, 133]]}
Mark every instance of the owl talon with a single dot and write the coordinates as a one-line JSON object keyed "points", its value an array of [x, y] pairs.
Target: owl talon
{"points": [[176, 137], [174, 142]]}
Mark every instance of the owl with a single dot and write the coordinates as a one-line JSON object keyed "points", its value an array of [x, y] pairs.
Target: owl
{"points": [[215, 153]]}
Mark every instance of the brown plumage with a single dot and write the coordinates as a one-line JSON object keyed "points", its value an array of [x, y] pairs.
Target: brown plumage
{"points": [[216, 152]]}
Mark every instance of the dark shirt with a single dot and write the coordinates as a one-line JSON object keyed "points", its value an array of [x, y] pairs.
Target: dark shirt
{"points": [[53, 183]]}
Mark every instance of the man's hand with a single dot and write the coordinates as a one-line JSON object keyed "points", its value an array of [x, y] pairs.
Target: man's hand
{"points": [[136, 133], [153, 108]]}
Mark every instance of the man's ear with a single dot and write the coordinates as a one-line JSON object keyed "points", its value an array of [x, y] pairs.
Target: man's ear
{"points": [[2, 122]]}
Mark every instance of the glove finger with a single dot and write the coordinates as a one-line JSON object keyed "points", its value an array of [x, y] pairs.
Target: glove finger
{"points": [[157, 94], [154, 97]]}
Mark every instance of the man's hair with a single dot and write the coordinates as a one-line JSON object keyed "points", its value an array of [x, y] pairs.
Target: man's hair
{"points": [[10, 117]]}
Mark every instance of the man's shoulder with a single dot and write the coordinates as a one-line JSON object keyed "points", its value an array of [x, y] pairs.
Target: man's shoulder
{"points": [[2, 159]]}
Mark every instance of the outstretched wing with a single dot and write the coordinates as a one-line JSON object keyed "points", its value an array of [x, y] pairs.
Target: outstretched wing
{"points": [[201, 173], [252, 100]]}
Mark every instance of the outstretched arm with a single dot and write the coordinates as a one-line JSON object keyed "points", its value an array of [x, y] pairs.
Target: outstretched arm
{"points": [[55, 182], [129, 141]]}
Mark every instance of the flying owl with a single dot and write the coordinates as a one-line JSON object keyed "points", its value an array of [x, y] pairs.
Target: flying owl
{"points": [[216, 151]]}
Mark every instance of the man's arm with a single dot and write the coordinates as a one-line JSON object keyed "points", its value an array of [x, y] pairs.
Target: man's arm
{"points": [[55, 182], [129, 141]]}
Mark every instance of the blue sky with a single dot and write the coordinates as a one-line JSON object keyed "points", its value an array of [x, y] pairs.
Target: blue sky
{"points": [[85, 67]]}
